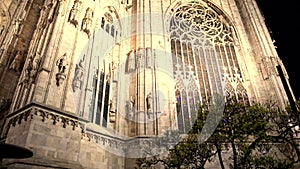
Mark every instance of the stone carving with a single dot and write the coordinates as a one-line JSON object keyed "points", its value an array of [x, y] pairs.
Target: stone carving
{"points": [[44, 115], [3, 21], [31, 68], [62, 7], [73, 16], [200, 20], [62, 64], [130, 108], [149, 101], [17, 61], [108, 17], [149, 104], [106, 141], [79, 71], [112, 107], [87, 21], [112, 111], [269, 67], [48, 13], [17, 25]]}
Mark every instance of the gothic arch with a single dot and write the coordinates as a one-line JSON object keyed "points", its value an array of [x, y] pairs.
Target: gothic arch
{"points": [[99, 75], [203, 45], [110, 15]]}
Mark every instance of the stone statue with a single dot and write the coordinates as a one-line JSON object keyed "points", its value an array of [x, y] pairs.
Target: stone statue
{"points": [[74, 13], [149, 101], [35, 65], [149, 104], [17, 24], [79, 71], [28, 69], [112, 106], [62, 63], [31, 68], [16, 63], [48, 13], [130, 108], [87, 21]]}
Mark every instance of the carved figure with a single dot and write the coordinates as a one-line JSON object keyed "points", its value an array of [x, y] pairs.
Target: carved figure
{"points": [[87, 21], [112, 107], [31, 68], [74, 12], [62, 63], [149, 101], [130, 107], [79, 71], [16, 63], [48, 13], [149, 104], [18, 23]]}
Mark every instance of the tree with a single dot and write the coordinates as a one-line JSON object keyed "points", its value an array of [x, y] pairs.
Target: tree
{"points": [[256, 136], [187, 153]]}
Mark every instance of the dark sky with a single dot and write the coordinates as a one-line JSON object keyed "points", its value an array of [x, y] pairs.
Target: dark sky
{"points": [[282, 20]]}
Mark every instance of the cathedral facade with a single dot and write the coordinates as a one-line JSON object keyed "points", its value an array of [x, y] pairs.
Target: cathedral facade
{"points": [[84, 83]]}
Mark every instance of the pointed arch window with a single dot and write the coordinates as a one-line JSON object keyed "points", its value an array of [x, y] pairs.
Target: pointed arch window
{"points": [[203, 54], [109, 25], [100, 98], [100, 84]]}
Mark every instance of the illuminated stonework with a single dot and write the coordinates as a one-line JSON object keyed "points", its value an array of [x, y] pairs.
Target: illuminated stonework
{"points": [[203, 46], [84, 84]]}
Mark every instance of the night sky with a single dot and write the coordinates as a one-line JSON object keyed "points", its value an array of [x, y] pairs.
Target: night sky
{"points": [[281, 19]]}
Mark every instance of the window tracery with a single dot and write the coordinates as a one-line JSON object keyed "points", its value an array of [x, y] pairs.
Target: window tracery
{"points": [[100, 103], [110, 24], [203, 50]]}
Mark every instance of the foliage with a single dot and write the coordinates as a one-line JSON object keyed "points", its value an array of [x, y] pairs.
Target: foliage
{"points": [[256, 136]]}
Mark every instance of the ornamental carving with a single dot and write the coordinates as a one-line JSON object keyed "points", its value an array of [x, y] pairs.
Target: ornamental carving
{"points": [[87, 21], [269, 64], [17, 61], [74, 13], [105, 141], [31, 68], [197, 20], [48, 13], [45, 116], [78, 75], [62, 64]]}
